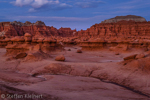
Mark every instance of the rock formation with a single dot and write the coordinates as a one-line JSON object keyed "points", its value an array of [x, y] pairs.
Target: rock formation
{"points": [[124, 33], [60, 58], [120, 34], [29, 47], [39, 28], [119, 29], [125, 18]]}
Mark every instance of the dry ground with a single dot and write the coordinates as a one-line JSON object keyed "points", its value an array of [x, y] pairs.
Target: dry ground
{"points": [[83, 76]]}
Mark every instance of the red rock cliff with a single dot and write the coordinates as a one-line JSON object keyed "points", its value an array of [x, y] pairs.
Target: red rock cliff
{"points": [[121, 28], [39, 28]]}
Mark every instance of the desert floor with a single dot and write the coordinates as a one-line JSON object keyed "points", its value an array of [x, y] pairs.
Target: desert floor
{"points": [[90, 75]]}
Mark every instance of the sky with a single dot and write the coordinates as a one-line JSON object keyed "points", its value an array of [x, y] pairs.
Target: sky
{"points": [[76, 14]]}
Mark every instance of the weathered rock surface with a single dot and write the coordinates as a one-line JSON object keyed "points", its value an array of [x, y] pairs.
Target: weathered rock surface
{"points": [[14, 93]]}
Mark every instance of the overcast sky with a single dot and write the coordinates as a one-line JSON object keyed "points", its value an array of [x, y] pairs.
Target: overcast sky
{"points": [[79, 14]]}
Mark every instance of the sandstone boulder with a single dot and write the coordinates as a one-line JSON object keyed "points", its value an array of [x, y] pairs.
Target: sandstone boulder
{"points": [[21, 55], [60, 58], [140, 56], [79, 51], [69, 49], [117, 53], [130, 57]]}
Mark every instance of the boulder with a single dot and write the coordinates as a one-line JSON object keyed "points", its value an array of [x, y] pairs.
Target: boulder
{"points": [[130, 57], [69, 49], [79, 51], [117, 53], [140, 56], [21, 55], [60, 58]]}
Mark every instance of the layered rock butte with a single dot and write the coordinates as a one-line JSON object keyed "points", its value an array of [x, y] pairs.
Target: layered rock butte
{"points": [[32, 47]]}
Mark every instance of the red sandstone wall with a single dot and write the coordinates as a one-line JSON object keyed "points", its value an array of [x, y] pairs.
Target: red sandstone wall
{"points": [[15, 30], [122, 28]]}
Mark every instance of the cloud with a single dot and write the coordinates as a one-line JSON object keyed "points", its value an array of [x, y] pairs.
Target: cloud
{"points": [[52, 18], [32, 10], [22, 2], [92, 4], [38, 5], [125, 7]]}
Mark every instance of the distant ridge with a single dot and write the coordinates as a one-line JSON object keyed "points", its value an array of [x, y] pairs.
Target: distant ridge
{"points": [[125, 18]]}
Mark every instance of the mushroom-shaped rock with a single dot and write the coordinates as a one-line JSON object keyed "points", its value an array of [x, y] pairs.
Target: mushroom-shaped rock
{"points": [[79, 51], [60, 58], [130, 57], [28, 35]]}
